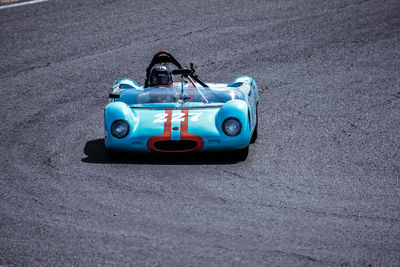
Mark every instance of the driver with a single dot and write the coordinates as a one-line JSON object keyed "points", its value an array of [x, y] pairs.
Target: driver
{"points": [[160, 76], [160, 90]]}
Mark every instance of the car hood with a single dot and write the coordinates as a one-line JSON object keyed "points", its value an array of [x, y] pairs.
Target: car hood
{"points": [[157, 120]]}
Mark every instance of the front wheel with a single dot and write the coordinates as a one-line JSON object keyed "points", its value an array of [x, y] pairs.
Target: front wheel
{"points": [[255, 133], [241, 154]]}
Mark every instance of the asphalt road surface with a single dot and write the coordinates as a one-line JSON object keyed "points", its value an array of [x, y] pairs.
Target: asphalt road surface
{"points": [[321, 186]]}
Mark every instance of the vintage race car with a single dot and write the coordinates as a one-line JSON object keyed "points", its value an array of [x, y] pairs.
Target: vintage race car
{"points": [[176, 112]]}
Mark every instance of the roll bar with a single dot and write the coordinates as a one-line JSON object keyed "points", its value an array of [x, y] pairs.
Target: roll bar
{"points": [[165, 57]]}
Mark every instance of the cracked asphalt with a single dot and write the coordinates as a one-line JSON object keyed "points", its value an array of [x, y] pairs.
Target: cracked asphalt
{"points": [[319, 187]]}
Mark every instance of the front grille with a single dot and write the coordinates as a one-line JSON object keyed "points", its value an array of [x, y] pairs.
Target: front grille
{"points": [[175, 145]]}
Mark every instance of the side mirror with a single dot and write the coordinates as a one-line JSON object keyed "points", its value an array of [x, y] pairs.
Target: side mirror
{"points": [[193, 67], [114, 96]]}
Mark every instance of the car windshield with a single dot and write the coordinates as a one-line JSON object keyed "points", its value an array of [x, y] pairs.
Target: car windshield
{"points": [[181, 92], [175, 93], [189, 95]]}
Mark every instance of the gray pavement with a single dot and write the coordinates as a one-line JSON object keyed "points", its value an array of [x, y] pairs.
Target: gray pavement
{"points": [[319, 187]]}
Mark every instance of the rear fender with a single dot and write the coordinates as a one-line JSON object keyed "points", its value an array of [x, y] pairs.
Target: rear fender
{"points": [[247, 85], [125, 83]]}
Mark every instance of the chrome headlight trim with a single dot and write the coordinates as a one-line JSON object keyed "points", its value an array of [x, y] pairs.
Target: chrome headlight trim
{"points": [[231, 126], [120, 133]]}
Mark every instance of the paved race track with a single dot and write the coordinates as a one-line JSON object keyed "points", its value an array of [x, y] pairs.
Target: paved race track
{"points": [[321, 186]]}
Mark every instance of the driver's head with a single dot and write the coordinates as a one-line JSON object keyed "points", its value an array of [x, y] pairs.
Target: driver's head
{"points": [[160, 75]]}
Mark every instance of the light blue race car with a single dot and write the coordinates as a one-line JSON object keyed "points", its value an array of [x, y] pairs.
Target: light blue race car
{"points": [[176, 112]]}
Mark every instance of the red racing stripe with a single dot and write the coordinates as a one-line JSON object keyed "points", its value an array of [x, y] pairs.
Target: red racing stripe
{"points": [[185, 135], [165, 136]]}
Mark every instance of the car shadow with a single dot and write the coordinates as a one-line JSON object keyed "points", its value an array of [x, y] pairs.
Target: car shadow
{"points": [[97, 153]]}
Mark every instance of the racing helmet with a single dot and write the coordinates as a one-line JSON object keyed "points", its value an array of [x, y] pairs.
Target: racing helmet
{"points": [[160, 76]]}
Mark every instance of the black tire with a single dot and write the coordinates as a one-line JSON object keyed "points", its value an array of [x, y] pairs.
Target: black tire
{"points": [[241, 154], [255, 133]]}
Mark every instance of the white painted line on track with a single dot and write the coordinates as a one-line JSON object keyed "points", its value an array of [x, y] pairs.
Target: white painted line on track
{"points": [[22, 4]]}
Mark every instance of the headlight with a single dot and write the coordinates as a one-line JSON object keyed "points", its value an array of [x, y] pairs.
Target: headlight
{"points": [[120, 129], [231, 126]]}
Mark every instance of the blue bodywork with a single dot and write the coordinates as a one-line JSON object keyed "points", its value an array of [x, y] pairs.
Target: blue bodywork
{"points": [[191, 123]]}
